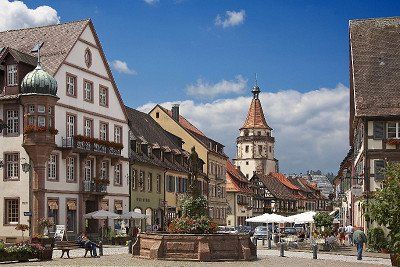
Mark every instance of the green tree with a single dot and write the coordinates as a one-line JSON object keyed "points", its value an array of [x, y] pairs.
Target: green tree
{"points": [[384, 207], [323, 219]]}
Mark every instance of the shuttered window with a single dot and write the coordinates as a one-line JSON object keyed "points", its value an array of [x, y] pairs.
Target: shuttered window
{"points": [[378, 130], [379, 166]]}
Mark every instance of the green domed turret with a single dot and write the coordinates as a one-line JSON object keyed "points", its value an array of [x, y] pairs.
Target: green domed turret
{"points": [[39, 82]]}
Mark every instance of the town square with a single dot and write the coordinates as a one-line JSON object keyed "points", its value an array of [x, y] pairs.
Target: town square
{"points": [[199, 133]]}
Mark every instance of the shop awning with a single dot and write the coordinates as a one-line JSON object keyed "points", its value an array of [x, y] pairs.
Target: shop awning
{"points": [[53, 205], [71, 204], [118, 206], [104, 205]]}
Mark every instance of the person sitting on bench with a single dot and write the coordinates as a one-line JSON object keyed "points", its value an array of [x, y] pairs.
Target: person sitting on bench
{"points": [[85, 242]]}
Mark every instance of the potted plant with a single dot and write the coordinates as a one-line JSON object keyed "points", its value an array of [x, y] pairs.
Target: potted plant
{"points": [[44, 224], [384, 208]]}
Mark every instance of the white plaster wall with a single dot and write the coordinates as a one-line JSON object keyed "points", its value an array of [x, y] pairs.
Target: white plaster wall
{"points": [[87, 35], [13, 188], [375, 144]]}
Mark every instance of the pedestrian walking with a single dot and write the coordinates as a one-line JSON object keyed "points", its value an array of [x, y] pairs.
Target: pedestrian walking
{"points": [[349, 232], [342, 235], [359, 238]]}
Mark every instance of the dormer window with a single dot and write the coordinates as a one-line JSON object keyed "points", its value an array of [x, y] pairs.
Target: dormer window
{"points": [[12, 75]]}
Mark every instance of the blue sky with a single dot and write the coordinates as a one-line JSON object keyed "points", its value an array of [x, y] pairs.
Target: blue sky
{"points": [[299, 45], [203, 55]]}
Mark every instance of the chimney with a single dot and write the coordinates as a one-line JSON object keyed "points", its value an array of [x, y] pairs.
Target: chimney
{"points": [[175, 112]]}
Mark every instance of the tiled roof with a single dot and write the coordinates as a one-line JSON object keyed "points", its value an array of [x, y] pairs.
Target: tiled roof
{"points": [[375, 66], [144, 127], [276, 188], [255, 116], [196, 133], [284, 180], [58, 41], [235, 180], [20, 56], [185, 123]]}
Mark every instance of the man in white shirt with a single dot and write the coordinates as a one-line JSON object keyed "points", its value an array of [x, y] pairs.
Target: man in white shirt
{"points": [[349, 231]]}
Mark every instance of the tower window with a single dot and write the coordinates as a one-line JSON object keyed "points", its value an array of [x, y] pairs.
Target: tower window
{"points": [[270, 149], [260, 149], [157, 115], [247, 163], [246, 149], [259, 133]]}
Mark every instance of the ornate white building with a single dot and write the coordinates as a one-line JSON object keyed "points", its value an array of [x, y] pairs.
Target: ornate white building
{"points": [[255, 145]]}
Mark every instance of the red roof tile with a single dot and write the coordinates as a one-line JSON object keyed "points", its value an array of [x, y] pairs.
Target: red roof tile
{"points": [[284, 180], [255, 116]]}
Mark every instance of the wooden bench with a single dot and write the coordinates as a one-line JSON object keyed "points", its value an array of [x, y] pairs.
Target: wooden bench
{"points": [[66, 246]]}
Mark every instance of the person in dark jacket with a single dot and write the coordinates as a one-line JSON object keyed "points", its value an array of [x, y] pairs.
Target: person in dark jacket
{"points": [[84, 241], [359, 238]]}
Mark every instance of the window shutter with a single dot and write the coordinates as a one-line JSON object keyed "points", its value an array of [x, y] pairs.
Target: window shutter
{"points": [[379, 130], [379, 166]]}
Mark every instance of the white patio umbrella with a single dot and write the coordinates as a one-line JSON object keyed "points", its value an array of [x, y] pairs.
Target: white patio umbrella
{"points": [[101, 215], [305, 217], [133, 215], [268, 218]]}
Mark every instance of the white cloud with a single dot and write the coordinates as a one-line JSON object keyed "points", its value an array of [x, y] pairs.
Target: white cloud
{"points": [[16, 15], [311, 129], [122, 67], [205, 89], [151, 2], [232, 18]]}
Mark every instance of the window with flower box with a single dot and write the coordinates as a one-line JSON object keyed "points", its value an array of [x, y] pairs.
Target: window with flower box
{"points": [[88, 125]]}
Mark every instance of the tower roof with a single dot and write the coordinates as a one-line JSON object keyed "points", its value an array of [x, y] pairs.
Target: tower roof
{"points": [[255, 116]]}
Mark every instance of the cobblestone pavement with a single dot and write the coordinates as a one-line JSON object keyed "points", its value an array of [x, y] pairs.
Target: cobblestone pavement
{"points": [[117, 256]]}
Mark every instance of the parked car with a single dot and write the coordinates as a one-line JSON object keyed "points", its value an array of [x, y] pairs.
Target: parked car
{"points": [[261, 232], [289, 231], [245, 230], [226, 230]]}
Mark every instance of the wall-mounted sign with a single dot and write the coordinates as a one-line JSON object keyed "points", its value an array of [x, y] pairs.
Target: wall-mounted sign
{"points": [[27, 213]]}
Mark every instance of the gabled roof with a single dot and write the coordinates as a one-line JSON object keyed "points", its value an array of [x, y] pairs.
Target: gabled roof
{"points": [[255, 116], [235, 180], [143, 125], [19, 56], [193, 131], [375, 66], [58, 41], [284, 180], [276, 188]]}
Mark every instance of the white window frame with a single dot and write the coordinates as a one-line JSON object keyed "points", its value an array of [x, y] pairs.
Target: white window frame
{"points": [[12, 211], [71, 81], [103, 96], [71, 122], [70, 162], [12, 117], [118, 134], [88, 89], [88, 170], [12, 75], [52, 167], [118, 174], [103, 133], [88, 127], [12, 166], [397, 130], [104, 169]]}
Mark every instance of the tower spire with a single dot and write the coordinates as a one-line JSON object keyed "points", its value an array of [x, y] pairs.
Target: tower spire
{"points": [[256, 90], [37, 50]]}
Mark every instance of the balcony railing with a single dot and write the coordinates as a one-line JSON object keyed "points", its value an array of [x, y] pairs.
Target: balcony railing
{"points": [[92, 187], [73, 142]]}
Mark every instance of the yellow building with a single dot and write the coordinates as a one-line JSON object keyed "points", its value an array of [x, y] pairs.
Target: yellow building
{"points": [[210, 151]]}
